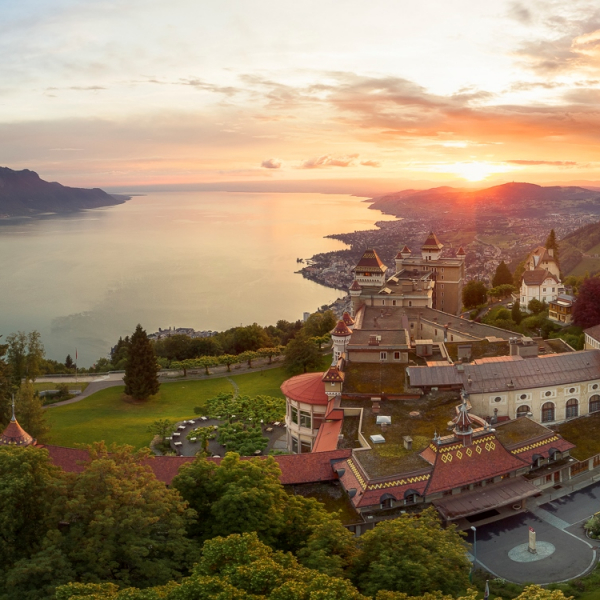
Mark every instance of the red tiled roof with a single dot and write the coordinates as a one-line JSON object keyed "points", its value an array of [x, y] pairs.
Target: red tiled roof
{"points": [[308, 388], [347, 319], [461, 252], [328, 436], [370, 261], [542, 448], [538, 276], [432, 243], [333, 375], [456, 465], [295, 468], [15, 435], [356, 287], [341, 329], [68, 459], [370, 493], [311, 467]]}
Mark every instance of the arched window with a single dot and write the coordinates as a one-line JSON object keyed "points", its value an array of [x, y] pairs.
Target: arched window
{"points": [[595, 403], [523, 410], [572, 408], [386, 501], [548, 412]]}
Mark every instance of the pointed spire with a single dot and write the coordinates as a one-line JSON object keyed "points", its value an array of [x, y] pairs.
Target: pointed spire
{"points": [[13, 418], [341, 329]]}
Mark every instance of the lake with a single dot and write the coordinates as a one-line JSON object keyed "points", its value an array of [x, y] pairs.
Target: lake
{"points": [[207, 260]]}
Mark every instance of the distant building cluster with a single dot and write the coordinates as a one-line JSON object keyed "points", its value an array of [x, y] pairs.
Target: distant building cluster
{"points": [[165, 333]]}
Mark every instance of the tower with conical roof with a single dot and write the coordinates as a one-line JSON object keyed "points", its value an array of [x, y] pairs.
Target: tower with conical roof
{"points": [[14, 434], [340, 336], [432, 248], [370, 270]]}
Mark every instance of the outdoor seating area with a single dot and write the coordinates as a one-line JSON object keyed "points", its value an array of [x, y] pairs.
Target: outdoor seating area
{"points": [[274, 432]]}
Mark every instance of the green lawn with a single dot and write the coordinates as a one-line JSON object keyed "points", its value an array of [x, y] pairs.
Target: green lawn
{"points": [[107, 416]]}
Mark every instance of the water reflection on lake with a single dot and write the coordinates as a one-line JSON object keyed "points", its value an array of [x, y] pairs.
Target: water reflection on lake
{"points": [[206, 260]]}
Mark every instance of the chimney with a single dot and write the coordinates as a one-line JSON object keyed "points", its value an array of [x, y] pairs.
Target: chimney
{"points": [[407, 442], [551, 252]]}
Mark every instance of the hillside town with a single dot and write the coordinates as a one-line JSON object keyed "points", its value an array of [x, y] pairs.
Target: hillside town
{"points": [[493, 241]]}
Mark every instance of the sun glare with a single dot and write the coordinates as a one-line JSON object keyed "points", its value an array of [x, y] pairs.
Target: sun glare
{"points": [[476, 171]]}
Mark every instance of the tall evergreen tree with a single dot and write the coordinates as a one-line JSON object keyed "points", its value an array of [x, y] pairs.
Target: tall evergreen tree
{"points": [[552, 244], [502, 275], [141, 378]]}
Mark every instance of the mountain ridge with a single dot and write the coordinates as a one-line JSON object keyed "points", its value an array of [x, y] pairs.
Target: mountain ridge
{"points": [[517, 199], [25, 193]]}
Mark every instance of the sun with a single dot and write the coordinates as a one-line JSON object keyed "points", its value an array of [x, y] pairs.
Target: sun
{"points": [[477, 170]]}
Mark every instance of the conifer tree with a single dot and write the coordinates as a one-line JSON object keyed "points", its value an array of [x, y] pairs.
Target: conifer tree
{"points": [[552, 244], [141, 378], [502, 275]]}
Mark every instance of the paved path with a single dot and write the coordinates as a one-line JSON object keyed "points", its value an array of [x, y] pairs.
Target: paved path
{"points": [[92, 388], [236, 389]]}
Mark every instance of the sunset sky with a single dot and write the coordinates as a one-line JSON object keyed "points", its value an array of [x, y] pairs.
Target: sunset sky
{"points": [[140, 93]]}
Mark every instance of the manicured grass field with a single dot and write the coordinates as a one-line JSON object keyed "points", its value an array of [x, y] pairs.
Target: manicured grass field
{"points": [[106, 416]]}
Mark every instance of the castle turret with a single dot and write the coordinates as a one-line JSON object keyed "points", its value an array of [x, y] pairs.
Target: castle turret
{"points": [[348, 320], [340, 336], [432, 248], [404, 253], [14, 434], [370, 271]]}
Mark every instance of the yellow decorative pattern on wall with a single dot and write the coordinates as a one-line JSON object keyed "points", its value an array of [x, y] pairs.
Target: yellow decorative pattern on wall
{"points": [[554, 438], [389, 484], [356, 472]]}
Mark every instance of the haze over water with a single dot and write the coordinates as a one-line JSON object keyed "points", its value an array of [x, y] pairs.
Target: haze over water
{"points": [[206, 260]]}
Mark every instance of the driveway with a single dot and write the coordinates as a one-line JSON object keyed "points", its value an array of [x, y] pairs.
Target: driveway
{"points": [[558, 522]]}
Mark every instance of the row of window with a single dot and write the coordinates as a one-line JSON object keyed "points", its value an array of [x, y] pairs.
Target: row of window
{"points": [[384, 355], [572, 409]]}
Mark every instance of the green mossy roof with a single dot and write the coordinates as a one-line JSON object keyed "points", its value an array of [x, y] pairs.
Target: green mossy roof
{"points": [[436, 410], [584, 433]]}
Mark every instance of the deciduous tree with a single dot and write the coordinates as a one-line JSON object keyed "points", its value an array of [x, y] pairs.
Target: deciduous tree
{"points": [[437, 559], [24, 354], [30, 412], [474, 293], [124, 526], [586, 310], [320, 323], [141, 371], [301, 354], [29, 484], [237, 496]]}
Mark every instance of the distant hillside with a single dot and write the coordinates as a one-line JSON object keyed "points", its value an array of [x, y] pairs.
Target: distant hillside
{"points": [[580, 251], [24, 193], [509, 199]]}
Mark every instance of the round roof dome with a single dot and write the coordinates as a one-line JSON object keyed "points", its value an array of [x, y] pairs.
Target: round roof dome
{"points": [[308, 388]]}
